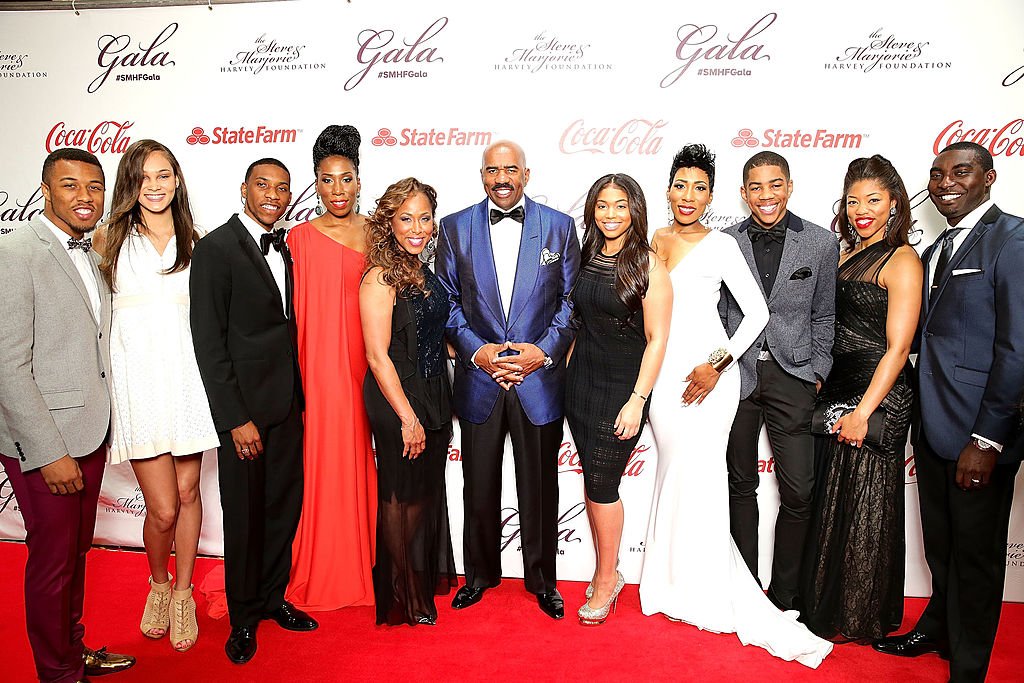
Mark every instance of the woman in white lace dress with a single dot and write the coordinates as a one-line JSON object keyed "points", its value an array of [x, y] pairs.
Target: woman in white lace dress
{"points": [[692, 570], [160, 418]]}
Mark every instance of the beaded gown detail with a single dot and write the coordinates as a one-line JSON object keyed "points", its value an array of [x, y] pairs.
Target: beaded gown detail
{"points": [[414, 548], [856, 558], [602, 372]]}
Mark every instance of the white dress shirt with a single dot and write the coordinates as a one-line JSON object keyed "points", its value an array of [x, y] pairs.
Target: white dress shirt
{"points": [[274, 258], [968, 223], [84, 264], [505, 237]]}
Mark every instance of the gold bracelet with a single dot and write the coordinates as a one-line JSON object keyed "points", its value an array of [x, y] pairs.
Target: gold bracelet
{"points": [[642, 398], [722, 363]]}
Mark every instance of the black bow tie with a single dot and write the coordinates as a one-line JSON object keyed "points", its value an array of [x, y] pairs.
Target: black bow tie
{"points": [[777, 234], [85, 244], [273, 238], [517, 214]]}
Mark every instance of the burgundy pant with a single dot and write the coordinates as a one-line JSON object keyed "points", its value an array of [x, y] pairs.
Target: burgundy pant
{"points": [[58, 535]]}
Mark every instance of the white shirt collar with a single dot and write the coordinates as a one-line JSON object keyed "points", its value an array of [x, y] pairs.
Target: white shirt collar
{"points": [[492, 206], [62, 237], [254, 228], [973, 218]]}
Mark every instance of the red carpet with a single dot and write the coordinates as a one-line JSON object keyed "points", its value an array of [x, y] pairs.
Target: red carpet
{"points": [[504, 638]]}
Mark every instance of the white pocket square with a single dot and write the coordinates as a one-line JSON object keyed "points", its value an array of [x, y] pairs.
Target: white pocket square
{"points": [[965, 271], [548, 257]]}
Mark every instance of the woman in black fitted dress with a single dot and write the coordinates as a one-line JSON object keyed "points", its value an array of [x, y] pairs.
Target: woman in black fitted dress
{"points": [[622, 304]]}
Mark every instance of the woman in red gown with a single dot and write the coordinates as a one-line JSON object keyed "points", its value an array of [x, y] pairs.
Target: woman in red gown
{"points": [[332, 556]]}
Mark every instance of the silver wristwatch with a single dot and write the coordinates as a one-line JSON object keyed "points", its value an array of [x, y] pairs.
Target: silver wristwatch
{"points": [[982, 445], [548, 362]]}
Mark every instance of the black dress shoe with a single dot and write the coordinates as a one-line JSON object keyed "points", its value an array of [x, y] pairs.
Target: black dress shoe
{"points": [[290, 618], [426, 620], [100, 662], [467, 596], [551, 604], [910, 644], [241, 645]]}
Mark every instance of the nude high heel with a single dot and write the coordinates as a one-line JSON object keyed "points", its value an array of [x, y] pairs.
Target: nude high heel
{"points": [[157, 615], [184, 627]]}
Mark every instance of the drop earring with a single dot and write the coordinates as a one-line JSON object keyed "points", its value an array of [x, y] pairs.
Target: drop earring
{"points": [[891, 220], [319, 209], [357, 202]]}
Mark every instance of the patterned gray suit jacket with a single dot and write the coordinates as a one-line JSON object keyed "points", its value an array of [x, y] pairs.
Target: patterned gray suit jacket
{"points": [[54, 354], [802, 305]]}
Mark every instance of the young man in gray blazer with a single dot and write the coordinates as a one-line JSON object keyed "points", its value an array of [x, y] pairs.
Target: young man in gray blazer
{"points": [[55, 407], [795, 261]]}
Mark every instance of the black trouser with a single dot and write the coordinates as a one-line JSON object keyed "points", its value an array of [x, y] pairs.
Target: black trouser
{"points": [[784, 404], [965, 546], [262, 500], [535, 452]]}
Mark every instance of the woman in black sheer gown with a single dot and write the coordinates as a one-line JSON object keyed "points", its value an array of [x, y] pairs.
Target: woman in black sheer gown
{"points": [[622, 303], [854, 586], [408, 400]]}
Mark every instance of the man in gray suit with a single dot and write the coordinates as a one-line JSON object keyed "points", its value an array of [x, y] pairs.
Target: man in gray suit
{"points": [[795, 262], [55, 407]]}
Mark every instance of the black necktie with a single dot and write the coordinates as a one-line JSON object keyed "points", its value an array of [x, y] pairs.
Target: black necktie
{"points": [[276, 239], [944, 256], [517, 214], [777, 234], [85, 244]]}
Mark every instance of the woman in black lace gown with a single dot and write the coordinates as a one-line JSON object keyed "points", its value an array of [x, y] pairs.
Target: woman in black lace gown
{"points": [[408, 399], [854, 589], [622, 303]]}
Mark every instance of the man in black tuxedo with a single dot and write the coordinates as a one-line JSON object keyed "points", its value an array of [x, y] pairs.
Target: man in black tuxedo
{"points": [[244, 335], [970, 366]]}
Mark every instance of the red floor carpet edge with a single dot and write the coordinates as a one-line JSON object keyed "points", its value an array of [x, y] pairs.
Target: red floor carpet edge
{"points": [[504, 638]]}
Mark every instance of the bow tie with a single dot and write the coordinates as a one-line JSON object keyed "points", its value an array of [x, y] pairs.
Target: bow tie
{"points": [[85, 244], [273, 238], [777, 234], [517, 214]]}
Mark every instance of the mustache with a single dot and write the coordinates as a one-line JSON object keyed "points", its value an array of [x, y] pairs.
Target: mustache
{"points": [[502, 186]]}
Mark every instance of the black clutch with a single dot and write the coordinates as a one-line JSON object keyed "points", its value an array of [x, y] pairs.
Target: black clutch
{"points": [[826, 415]]}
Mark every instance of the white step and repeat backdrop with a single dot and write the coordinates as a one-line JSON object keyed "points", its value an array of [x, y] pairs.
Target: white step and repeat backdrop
{"points": [[587, 88]]}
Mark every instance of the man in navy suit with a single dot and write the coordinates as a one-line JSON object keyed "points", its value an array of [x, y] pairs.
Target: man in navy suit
{"points": [[970, 366], [508, 265]]}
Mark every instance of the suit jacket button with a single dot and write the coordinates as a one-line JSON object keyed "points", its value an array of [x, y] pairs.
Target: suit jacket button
{"points": [[103, 375], [101, 335], [23, 458]]}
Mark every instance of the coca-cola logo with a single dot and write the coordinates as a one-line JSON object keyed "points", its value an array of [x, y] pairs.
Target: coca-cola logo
{"points": [[117, 54], [133, 504], [885, 52], [381, 54], [14, 65], [704, 44], [7, 495], [105, 137], [551, 53], [780, 138], [635, 136], [267, 55], [13, 210], [240, 135], [1000, 140], [568, 527], [569, 460], [431, 137]]}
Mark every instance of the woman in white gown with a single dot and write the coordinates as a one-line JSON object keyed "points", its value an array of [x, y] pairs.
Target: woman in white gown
{"points": [[692, 570]]}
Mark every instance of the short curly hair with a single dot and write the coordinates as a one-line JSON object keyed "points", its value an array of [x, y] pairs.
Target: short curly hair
{"points": [[400, 269]]}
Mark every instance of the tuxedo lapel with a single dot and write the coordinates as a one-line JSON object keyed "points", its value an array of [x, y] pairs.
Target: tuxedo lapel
{"points": [[528, 265], [60, 254], [482, 254], [255, 256]]}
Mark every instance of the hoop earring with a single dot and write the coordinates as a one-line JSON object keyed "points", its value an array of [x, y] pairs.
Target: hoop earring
{"points": [[319, 208]]}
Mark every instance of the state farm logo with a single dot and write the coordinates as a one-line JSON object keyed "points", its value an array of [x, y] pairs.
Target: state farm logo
{"points": [[885, 52], [551, 53], [821, 138], [104, 137], [722, 53], [15, 65], [13, 210], [634, 136], [378, 49], [269, 55], [116, 53], [1002, 140], [224, 135], [569, 460], [445, 137]]}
